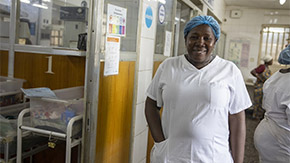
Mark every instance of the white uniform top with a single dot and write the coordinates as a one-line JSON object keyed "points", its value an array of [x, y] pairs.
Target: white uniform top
{"points": [[196, 105], [276, 99]]}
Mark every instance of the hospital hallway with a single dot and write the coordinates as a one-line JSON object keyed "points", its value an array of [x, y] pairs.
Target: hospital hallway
{"points": [[81, 81], [251, 154]]}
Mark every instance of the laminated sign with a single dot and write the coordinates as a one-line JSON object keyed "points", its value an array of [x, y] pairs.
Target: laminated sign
{"points": [[112, 55], [116, 20]]}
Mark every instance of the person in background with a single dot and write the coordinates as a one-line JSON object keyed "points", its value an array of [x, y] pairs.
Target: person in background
{"points": [[203, 98], [262, 73], [272, 135]]}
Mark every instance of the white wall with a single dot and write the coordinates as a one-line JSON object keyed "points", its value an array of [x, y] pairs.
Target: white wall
{"points": [[144, 66], [219, 9], [248, 27]]}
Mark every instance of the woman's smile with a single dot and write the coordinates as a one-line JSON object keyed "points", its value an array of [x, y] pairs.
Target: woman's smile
{"points": [[200, 43], [195, 50]]}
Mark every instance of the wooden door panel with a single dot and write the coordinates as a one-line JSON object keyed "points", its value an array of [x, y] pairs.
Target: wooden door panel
{"points": [[115, 115]]}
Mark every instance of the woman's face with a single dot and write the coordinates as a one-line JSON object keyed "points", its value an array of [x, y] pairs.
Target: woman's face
{"points": [[200, 43]]}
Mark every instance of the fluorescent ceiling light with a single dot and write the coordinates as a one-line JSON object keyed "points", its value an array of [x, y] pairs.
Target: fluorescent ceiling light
{"points": [[162, 1], [25, 1], [282, 2], [40, 6]]}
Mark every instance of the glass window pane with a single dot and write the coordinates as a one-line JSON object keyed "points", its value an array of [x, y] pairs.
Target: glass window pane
{"points": [[128, 42], [60, 41], [287, 37], [55, 40], [280, 46], [4, 20], [263, 51], [274, 40], [268, 50], [274, 44], [183, 13], [220, 46], [38, 18], [163, 26]]}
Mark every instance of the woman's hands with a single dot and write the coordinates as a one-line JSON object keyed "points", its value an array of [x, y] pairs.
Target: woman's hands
{"points": [[254, 73]]}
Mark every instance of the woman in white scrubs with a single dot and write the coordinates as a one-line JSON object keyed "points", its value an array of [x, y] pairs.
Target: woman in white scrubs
{"points": [[272, 135], [203, 98]]}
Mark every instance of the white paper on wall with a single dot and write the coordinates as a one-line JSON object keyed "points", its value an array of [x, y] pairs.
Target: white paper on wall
{"points": [[112, 55], [239, 52], [167, 44]]}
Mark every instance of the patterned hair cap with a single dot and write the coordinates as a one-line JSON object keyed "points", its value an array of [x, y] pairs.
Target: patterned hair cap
{"points": [[199, 20]]}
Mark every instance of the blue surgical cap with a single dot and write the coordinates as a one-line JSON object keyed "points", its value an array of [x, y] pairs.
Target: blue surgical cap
{"points": [[284, 57], [199, 20]]}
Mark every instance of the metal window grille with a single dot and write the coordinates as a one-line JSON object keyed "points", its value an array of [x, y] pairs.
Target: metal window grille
{"points": [[273, 40], [56, 38]]}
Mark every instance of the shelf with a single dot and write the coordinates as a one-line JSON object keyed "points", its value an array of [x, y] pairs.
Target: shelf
{"points": [[44, 50]]}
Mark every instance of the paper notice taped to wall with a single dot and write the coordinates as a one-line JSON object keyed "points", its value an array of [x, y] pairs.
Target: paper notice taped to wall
{"points": [[112, 55]]}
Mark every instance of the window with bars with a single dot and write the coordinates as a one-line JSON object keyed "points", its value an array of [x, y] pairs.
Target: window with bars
{"points": [[273, 40], [56, 38]]}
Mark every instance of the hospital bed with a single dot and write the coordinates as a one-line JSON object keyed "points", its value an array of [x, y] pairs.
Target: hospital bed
{"points": [[12, 102], [55, 119]]}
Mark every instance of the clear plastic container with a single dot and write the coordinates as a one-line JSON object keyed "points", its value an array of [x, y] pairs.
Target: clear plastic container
{"points": [[54, 114], [8, 119], [10, 92], [8, 84]]}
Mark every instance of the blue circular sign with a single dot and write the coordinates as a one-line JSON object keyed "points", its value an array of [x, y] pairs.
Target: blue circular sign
{"points": [[148, 17]]}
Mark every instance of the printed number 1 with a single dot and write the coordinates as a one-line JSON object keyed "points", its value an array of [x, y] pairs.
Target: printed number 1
{"points": [[49, 68]]}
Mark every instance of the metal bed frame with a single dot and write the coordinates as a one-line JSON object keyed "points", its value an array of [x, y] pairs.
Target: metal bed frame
{"points": [[68, 136], [8, 142]]}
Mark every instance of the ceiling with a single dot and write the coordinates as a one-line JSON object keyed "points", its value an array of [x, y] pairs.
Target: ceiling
{"points": [[263, 4]]}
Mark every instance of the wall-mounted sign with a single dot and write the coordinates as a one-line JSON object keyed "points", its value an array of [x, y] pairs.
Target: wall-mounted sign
{"points": [[148, 17], [235, 51], [116, 20], [161, 14], [112, 55], [239, 52]]}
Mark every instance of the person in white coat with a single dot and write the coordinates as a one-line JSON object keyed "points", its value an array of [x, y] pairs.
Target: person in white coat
{"points": [[272, 135], [203, 98]]}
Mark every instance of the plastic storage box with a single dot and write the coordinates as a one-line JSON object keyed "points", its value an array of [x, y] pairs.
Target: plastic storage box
{"points": [[54, 114], [10, 92], [8, 119]]}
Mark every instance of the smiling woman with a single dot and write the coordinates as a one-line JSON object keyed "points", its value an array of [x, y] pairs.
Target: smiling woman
{"points": [[203, 98], [200, 43], [201, 34]]}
